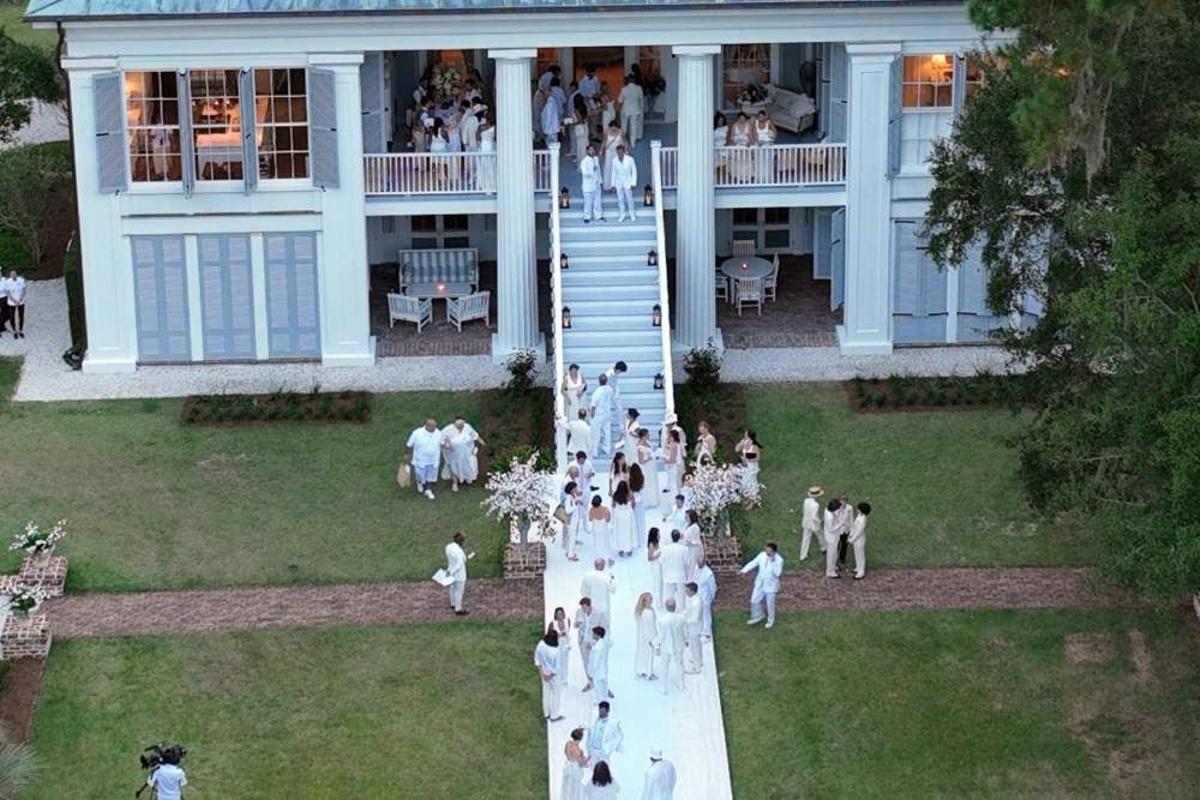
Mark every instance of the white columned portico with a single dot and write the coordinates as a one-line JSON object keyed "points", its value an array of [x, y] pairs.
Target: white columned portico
{"points": [[867, 329], [345, 274], [695, 251], [516, 263]]}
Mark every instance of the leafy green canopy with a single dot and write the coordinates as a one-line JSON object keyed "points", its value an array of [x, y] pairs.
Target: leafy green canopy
{"points": [[1077, 166]]}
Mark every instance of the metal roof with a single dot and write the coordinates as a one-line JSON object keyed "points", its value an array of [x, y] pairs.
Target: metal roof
{"points": [[50, 10]]}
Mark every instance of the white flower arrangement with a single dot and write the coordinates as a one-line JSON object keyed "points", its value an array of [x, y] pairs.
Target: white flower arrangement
{"points": [[521, 494], [25, 599], [444, 81], [717, 488], [33, 541]]}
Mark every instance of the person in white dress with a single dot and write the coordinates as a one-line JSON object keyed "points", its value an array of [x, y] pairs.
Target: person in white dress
{"points": [[600, 526], [545, 658], [562, 627], [602, 786], [601, 413], [647, 631], [623, 522], [674, 567], [591, 179], [456, 568], [579, 127], [637, 486], [659, 783], [767, 566], [706, 579], [625, 180], [765, 134], [858, 540], [608, 109], [423, 451], [654, 559], [629, 435], [613, 138], [577, 760], [574, 391], [741, 134], [720, 140], [693, 539], [672, 640], [750, 451], [706, 443], [461, 444], [618, 474], [487, 144], [632, 102], [673, 456], [648, 461], [810, 521]]}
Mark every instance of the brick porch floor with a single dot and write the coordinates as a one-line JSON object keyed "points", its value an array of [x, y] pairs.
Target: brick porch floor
{"points": [[800, 317]]}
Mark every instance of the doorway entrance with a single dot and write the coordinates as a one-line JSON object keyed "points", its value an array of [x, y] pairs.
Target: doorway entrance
{"points": [[608, 61]]}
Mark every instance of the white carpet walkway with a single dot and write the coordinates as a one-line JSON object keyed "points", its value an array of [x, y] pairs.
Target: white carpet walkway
{"points": [[686, 725]]}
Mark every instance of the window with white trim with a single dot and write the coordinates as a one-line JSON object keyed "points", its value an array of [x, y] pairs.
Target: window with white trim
{"points": [[152, 117], [769, 228], [927, 103], [216, 124], [440, 231], [743, 65], [281, 122]]}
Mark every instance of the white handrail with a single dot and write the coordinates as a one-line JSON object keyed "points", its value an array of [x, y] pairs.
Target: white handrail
{"points": [[781, 165], [668, 372], [556, 299], [429, 173], [545, 167]]}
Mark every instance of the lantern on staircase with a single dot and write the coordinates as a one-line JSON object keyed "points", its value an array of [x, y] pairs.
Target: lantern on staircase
{"points": [[658, 382], [563, 261], [564, 198], [652, 258], [566, 317], [648, 196], [656, 315]]}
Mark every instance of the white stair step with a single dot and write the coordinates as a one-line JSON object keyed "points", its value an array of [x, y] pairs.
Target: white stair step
{"points": [[614, 340], [609, 247], [605, 231], [636, 310], [599, 289], [592, 351]]}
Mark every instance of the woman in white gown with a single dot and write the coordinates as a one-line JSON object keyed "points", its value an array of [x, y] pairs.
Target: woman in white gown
{"points": [[622, 520], [765, 133], [599, 523], [562, 625], [487, 144], [706, 443], [629, 437], [654, 558], [741, 134], [648, 461], [613, 138], [460, 443], [579, 129], [637, 489], [601, 785], [694, 541], [720, 139], [572, 780], [674, 456], [618, 474], [608, 109], [647, 632], [574, 389], [750, 451]]}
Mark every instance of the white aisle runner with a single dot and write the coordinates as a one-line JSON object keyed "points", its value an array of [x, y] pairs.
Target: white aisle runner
{"points": [[686, 725]]}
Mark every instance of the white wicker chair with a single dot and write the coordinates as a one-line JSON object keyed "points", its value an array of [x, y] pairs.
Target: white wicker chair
{"points": [[771, 282], [403, 308], [741, 247], [749, 292], [465, 309]]}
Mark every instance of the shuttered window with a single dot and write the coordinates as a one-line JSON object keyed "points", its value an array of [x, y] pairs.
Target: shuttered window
{"points": [[108, 108], [918, 290], [837, 258], [160, 299], [226, 297], [293, 315], [373, 102], [322, 111]]}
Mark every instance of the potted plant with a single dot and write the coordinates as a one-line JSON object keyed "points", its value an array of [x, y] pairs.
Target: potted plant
{"points": [[36, 542], [24, 599]]}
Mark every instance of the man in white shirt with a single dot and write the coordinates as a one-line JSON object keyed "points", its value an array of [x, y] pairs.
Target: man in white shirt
{"points": [[769, 565], [676, 517], [592, 183], [587, 473], [468, 128], [16, 303], [423, 451], [589, 87], [660, 778], [832, 529], [672, 640], [706, 579], [674, 567], [545, 658], [587, 618], [624, 178], [168, 779], [858, 540], [614, 374], [810, 521], [551, 119], [4, 309], [597, 663], [604, 736], [633, 102], [579, 435], [693, 621], [456, 568], [598, 584], [601, 413]]}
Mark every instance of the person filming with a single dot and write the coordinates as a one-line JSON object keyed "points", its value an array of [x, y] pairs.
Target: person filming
{"points": [[168, 779]]}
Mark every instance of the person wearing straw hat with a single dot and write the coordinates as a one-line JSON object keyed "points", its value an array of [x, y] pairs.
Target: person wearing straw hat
{"points": [[810, 521], [660, 778]]}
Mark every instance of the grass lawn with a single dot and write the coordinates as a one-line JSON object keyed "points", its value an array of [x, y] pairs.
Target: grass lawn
{"points": [[962, 704], [398, 712], [10, 19], [942, 485]]}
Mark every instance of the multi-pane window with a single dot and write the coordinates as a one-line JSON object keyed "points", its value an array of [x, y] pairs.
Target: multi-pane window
{"points": [[152, 116], [216, 124], [436, 231], [281, 122], [973, 78], [928, 82], [743, 65]]}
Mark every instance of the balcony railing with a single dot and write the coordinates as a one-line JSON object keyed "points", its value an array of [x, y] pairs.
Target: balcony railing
{"points": [[430, 173], [779, 165], [541, 171]]}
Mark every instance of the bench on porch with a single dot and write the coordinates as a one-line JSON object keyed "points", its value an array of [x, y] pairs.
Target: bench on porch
{"points": [[439, 273]]}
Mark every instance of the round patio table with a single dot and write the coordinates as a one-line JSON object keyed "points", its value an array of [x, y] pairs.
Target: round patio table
{"points": [[755, 267]]}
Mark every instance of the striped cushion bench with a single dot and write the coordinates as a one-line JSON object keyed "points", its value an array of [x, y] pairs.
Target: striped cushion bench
{"points": [[439, 273]]}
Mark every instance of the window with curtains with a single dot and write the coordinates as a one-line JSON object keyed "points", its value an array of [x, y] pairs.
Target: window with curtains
{"points": [[743, 65], [152, 117], [216, 124], [281, 122]]}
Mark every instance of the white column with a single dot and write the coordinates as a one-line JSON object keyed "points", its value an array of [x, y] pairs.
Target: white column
{"points": [[695, 251], [516, 264], [107, 261], [868, 292], [344, 271]]}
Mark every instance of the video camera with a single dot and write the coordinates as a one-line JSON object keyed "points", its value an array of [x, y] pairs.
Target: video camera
{"points": [[157, 754]]}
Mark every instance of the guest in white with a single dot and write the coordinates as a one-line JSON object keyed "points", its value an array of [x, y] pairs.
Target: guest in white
{"points": [[559, 97], [589, 87], [632, 101], [602, 786], [706, 579], [694, 541], [598, 584], [551, 119], [648, 461], [693, 621], [613, 138], [553, 71], [592, 183], [675, 460], [769, 565], [625, 180], [599, 522], [601, 410], [614, 375], [579, 432], [654, 559], [676, 518], [587, 473], [858, 540], [706, 443], [545, 658], [423, 452], [562, 626], [624, 534], [810, 521], [647, 632], [598, 663], [573, 504], [469, 127], [660, 778], [14, 288], [462, 443], [831, 529], [605, 734], [572, 780], [675, 565], [587, 618], [456, 568], [629, 434], [574, 391], [672, 640]]}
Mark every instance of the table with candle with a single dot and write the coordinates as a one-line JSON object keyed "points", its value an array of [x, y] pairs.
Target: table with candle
{"points": [[742, 267]]}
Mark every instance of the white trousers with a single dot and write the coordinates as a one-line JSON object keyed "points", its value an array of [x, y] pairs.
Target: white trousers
{"points": [[456, 594], [602, 427], [551, 694], [672, 671], [632, 125], [625, 201], [696, 648], [593, 204], [757, 599], [860, 557], [601, 689], [806, 540], [585, 650], [831, 559], [707, 628], [570, 533]]}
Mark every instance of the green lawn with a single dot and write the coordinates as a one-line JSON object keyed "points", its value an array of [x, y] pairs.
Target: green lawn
{"points": [[401, 712], [942, 485], [960, 704], [10, 19]]}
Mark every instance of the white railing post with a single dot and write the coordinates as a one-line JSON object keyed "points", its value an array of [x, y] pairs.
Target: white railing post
{"points": [[556, 296], [663, 295]]}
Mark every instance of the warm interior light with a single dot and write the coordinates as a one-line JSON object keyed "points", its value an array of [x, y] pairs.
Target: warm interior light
{"points": [[938, 59]]}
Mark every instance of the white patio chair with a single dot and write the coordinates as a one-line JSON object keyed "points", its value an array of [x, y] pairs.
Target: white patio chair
{"points": [[403, 308], [749, 292], [465, 309], [771, 282], [722, 284], [741, 247]]}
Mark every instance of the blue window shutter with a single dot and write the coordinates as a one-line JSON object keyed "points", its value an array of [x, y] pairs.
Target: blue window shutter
{"points": [[837, 258], [322, 125], [160, 299], [108, 98], [227, 296], [906, 280], [972, 284], [960, 82], [934, 289], [374, 138], [293, 310], [822, 229], [839, 84], [823, 87], [187, 142], [894, 118], [249, 131]]}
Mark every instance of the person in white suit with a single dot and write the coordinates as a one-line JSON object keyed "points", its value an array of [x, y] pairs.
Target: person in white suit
{"points": [[832, 529], [675, 567], [625, 179], [598, 584], [598, 663], [633, 107], [545, 658], [660, 778], [456, 568], [706, 579], [858, 540], [769, 566], [810, 521], [693, 620], [601, 413], [604, 735], [672, 642], [592, 178], [579, 432]]}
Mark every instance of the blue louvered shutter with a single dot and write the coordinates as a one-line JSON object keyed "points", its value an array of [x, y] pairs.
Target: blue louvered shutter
{"points": [[822, 226], [322, 127], [374, 138], [226, 296], [837, 258], [187, 142], [933, 290], [839, 86], [894, 117], [293, 317], [249, 130], [960, 82], [160, 299], [823, 88], [972, 284], [108, 99], [906, 288]]}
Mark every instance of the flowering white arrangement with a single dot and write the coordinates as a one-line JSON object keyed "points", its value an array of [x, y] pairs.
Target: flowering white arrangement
{"points": [[33, 541], [521, 495], [716, 488], [25, 599], [444, 79]]}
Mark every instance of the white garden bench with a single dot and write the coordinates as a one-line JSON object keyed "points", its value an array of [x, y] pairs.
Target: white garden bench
{"points": [[439, 273]]}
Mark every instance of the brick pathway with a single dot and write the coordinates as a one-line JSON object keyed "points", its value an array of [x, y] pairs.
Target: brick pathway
{"points": [[152, 613]]}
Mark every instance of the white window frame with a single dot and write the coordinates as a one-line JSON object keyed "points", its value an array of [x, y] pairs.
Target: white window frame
{"points": [[440, 233], [759, 228]]}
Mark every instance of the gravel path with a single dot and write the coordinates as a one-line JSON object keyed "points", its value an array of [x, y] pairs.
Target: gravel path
{"points": [[790, 364]]}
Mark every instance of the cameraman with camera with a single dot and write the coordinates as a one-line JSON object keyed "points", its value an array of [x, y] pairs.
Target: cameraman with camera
{"points": [[166, 777]]}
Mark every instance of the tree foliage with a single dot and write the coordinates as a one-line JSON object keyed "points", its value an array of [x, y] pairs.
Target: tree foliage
{"points": [[1077, 167], [27, 73], [33, 180]]}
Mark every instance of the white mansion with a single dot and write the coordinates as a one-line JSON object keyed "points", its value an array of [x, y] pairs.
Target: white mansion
{"points": [[242, 164]]}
